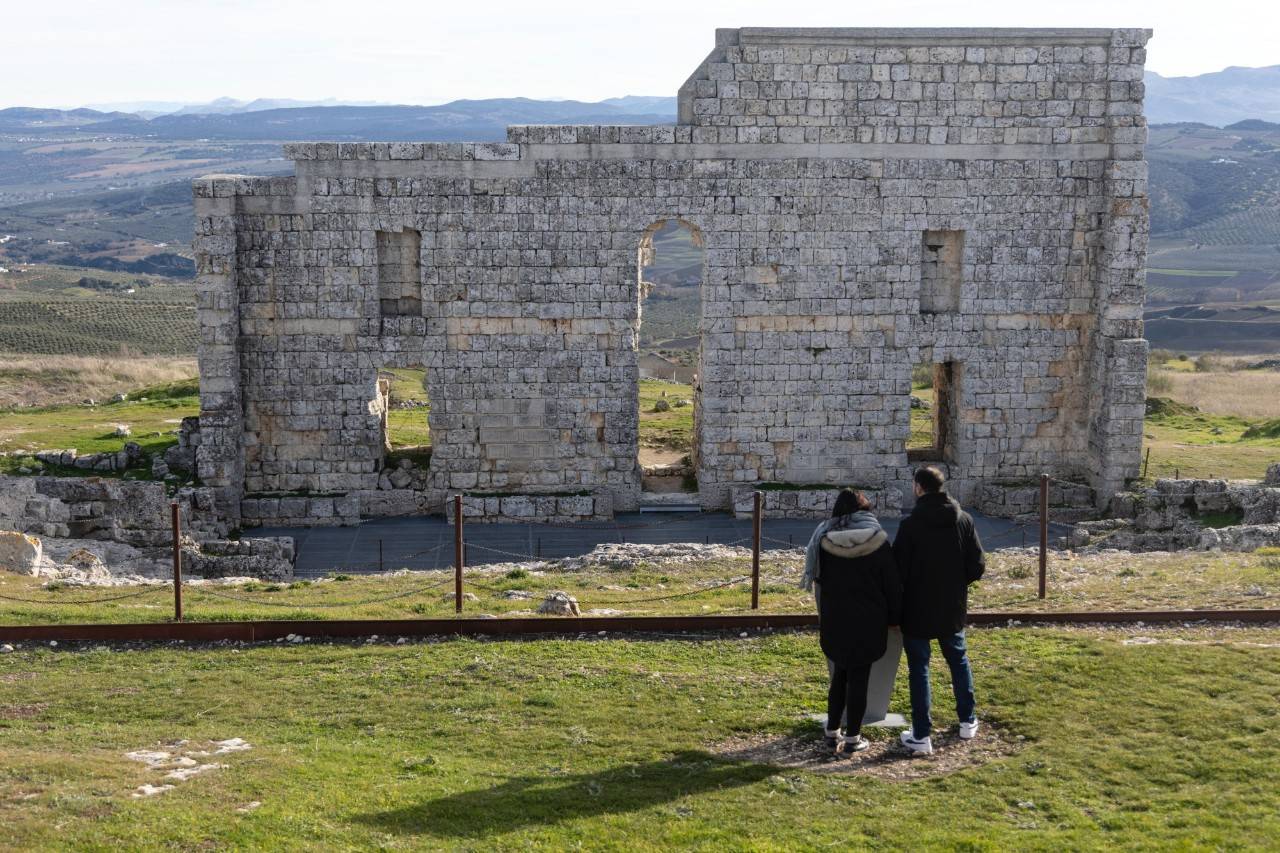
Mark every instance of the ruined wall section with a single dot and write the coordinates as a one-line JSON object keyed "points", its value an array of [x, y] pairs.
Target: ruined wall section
{"points": [[926, 86], [811, 304]]}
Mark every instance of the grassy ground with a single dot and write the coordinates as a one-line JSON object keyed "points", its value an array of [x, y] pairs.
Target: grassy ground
{"points": [[91, 429], [1207, 446], [1110, 741], [50, 380], [1094, 582], [672, 429], [408, 427], [922, 419], [1234, 434]]}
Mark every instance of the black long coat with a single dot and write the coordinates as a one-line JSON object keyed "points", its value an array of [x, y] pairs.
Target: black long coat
{"points": [[939, 555], [860, 597]]}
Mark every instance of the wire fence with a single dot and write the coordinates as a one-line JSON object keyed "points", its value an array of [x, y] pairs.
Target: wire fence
{"points": [[443, 556]]}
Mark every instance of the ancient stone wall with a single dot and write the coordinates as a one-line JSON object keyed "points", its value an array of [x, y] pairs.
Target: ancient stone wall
{"points": [[818, 167], [133, 512]]}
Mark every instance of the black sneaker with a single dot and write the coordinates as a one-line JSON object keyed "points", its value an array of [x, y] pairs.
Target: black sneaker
{"points": [[850, 745]]}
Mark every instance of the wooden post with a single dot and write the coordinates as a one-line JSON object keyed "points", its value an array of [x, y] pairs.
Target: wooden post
{"points": [[1145, 462], [177, 561], [755, 551], [380, 569], [457, 553], [1044, 533]]}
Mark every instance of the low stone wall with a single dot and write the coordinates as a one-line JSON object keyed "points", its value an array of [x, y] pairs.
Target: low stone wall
{"points": [[130, 456], [379, 503], [1068, 502], [268, 558], [1171, 516], [555, 509], [809, 503], [300, 510], [129, 511]]}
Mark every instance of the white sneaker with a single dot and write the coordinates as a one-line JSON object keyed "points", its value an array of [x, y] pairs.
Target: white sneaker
{"points": [[969, 730], [921, 746], [850, 745]]}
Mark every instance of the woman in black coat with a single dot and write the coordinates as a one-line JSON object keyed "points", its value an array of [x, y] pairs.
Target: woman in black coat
{"points": [[859, 597]]}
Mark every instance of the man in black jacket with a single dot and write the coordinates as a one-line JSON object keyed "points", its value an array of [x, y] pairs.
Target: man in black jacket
{"points": [[938, 555]]}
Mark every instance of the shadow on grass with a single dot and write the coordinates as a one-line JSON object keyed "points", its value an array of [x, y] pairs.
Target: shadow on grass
{"points": [[550, 799]]}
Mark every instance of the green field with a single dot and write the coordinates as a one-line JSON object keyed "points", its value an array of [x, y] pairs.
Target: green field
{"points": [[56, 310], [654, 744], [91, 429], [1202, 445]]}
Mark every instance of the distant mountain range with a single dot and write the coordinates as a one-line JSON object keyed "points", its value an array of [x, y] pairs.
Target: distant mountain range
{"points": [[479, 121], [1220, 98], [220, 106]]}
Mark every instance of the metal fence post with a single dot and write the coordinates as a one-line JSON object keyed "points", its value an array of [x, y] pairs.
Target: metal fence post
{"points": [[177, 561], [755, 551], [457, 553], [1044, 532]]}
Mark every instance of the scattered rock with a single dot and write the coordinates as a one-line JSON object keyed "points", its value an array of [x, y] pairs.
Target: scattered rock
{"points": [[248, 807], [119, 398], [182, 774], [661, 405], [466, 596], [6, 648], [559, 603], [517, 595], [151, 790], [20, 553], [123, 430]]}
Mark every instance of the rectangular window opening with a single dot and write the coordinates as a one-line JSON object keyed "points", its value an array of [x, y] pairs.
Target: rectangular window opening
{"points": [[941, 271], [933, 391], [400, 273]]}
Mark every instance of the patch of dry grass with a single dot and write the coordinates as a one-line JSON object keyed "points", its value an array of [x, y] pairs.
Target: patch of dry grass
{"points": [[47, 380], [1244, 394]]}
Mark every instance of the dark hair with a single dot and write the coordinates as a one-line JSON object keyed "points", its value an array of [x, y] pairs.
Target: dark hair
{"points": [[929, 478], [848, 502]]}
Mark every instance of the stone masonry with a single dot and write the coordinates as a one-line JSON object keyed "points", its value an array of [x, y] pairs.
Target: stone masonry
{"points": [[869, 199]]}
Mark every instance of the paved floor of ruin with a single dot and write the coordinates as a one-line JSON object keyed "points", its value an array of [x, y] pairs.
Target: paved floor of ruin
{"points": [[426, 542]]}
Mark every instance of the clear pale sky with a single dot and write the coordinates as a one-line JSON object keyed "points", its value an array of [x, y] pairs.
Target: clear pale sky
{"points": [[67, 53]]}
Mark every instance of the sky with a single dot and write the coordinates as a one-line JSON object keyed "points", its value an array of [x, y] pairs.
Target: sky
{"points": [[68, 53]]}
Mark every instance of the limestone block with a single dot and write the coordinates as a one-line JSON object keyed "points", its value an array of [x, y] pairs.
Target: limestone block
{"points": [[19, 553]]}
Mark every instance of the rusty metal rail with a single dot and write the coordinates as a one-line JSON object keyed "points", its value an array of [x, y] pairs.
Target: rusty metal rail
{"points": [[268, 630]]}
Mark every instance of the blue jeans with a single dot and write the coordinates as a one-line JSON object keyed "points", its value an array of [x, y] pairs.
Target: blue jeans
{"points": [[957, 657]]}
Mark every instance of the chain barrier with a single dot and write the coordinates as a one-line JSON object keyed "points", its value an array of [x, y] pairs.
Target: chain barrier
{"points": [[137, 594]]}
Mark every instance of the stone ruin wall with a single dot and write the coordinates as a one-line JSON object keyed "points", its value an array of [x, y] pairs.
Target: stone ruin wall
{"points": [[818, 167]]}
